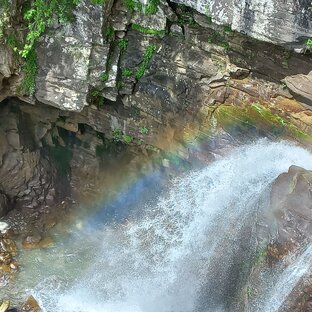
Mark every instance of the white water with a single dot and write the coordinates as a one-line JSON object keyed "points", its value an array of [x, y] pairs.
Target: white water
{"points": [[288, 280], [181, 245]]}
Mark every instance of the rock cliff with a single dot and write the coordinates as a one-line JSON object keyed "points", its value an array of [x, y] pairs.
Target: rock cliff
{"points": [[151, 78], [281, 22]]}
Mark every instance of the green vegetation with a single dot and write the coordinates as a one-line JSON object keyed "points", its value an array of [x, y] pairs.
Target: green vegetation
{"points": [[40, 16], [185, 15], [255, 117], [104, 77], [225, 45], [122, 44], [95, 93], [4, 16], [119, 136], [251, 292], [119, 84], [146, 59], [148, 31], [227, 28], [136, 5], [110, 33], [309, 43], [261, 254], [133, 5], [151, 7], [218, 39], [98, 2], [100, 102], [127, 139], [28, 85], [4, 5], [97, 98], [143, 130], [13, 43], [126, 72], [208, 14]]}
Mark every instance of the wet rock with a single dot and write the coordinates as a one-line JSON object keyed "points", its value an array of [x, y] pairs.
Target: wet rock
{"points": [[8, 250], [278, 251], [31, 241], [4, 227], [8, 245], [36, 241], [47, 242], [31, 305], [291, 205], [4, 306], [5, 258]]}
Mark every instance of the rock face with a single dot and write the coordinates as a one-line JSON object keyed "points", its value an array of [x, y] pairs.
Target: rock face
{"points": [[301, 85], [98, 56], [64, 60], [26, 177], [291, 204], [286, 22]]}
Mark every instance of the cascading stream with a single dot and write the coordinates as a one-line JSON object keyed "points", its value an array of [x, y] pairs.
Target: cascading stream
{"points": [[183, 253], [288, 280]]}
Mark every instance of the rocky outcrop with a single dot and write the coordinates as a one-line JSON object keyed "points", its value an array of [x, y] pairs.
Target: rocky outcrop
{"points": [[287, 22], [100, 55], [291, 205], [301, 86], [67, 57], [31, 305]]}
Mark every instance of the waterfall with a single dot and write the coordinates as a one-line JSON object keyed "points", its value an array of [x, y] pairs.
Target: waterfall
{"points": [[183, 253], [288, 280]]}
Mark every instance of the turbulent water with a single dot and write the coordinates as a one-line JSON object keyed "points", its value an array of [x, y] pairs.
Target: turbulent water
{"points": [[185, 252], [288, 280]]}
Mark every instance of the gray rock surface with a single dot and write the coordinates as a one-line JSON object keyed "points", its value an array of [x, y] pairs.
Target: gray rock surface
{"points": [[280, 22], [64, 59], [301, 85]]}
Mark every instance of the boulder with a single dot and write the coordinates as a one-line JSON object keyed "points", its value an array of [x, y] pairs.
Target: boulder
{"points": [[301, 86], [31, 305], [291, 205]]}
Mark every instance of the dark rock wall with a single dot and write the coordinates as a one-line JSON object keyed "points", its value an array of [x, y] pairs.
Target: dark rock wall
{"points": [[27, 178]]}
